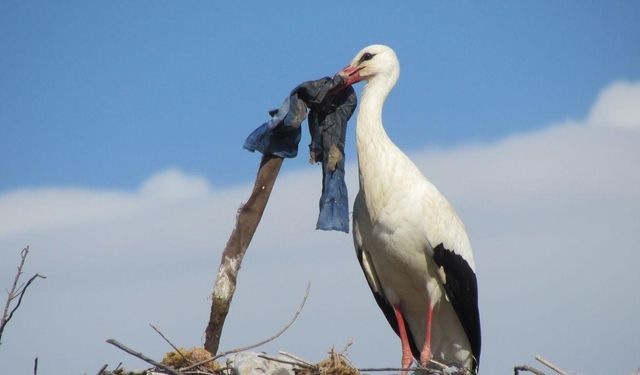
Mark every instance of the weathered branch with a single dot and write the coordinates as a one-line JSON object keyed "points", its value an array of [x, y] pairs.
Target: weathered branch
{"points": [[413, 369], [517, 369], [299, 364], [16, 292], [277, 334], [104, 367], [143, 357], [315, 367], [247, 221], [439, 364], [295, 358], [170, 343], [252, 346], [14, 286], [22, 292], [296, 361], [550, 365]]}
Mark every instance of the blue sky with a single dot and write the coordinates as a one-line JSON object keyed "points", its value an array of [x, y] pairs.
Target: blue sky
{"points": [[121, 127], [104, 94]]}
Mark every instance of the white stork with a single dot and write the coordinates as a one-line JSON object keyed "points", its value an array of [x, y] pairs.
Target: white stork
{"points": [[412, 246]]}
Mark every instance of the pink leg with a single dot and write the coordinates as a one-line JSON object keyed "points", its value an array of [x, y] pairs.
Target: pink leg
{"points": [[425, 354], [407, 357]]}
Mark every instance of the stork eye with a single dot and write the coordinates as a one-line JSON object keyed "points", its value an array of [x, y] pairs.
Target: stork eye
{"points": [[366, 56]]}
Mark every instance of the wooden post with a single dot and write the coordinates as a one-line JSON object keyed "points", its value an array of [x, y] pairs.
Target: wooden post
{"points": [[247, 221]]}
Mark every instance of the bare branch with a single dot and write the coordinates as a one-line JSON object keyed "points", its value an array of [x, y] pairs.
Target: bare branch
{"points": [[101, 371], [35, 366], [247, 220], [4, 323], [295, 358], [171, 344], [16, 280], [347, 346], [299, 364], [305, 364], [414, 369], [12, 292], [252, 346], [439, 364], [517, 369], [143, 357], [550, 365], [278, 334], [16, 292]]}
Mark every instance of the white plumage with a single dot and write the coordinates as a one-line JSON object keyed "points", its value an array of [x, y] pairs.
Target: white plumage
{"points": [[412, 246]]}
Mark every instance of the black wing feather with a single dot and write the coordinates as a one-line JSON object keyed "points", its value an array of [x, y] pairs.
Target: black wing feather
{"points": [[461, 287]]}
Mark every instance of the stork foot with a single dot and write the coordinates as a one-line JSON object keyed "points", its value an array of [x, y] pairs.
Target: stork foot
{"points": [[407, 360], [407, 357], [425, 356]]}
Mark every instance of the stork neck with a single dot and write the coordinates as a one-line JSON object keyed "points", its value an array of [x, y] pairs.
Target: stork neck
{"points": [[370, 134], [375, 149], [369, 124]]}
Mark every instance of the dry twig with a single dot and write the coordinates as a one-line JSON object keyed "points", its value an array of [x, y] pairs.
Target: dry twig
{"points": [[171, 344], [295, 358], [550, 365], [335, 357], [104, 367], [269, 339], [517, 369], [296, 363], [413, 369], [143, 357], [16, 292], [247, 221], [440, 364]]}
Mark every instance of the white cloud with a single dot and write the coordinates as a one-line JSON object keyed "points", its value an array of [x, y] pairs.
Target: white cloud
{"points": [[30, 209], [618, 105], [552, 215], [46, 208], [173, 183]]}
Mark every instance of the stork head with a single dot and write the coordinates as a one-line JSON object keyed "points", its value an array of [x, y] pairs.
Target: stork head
{"points": [[372, 63]]}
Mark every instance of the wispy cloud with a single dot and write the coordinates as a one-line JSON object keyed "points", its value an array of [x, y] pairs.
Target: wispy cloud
{"points": [[552, 216], [25, 210], [618, 105]]}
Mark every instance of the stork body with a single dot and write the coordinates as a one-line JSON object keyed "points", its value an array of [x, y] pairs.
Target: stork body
{"points": [[412, 246]]}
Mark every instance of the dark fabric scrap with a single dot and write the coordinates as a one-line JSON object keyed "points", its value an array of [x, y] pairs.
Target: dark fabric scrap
{"points": [[280, 135], [331, 105]]}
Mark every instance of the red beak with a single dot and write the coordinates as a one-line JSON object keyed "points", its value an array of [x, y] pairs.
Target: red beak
{"points": [[350, 74]]}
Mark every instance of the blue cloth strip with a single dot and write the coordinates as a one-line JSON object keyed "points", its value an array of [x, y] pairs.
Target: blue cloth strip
{"points": [[331, 104]]}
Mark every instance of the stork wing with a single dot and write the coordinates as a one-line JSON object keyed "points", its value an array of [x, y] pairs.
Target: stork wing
{"points": [[373, 281], [461, 287]]}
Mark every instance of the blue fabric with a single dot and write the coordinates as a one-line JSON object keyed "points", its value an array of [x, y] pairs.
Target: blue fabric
{"points": [[279, 136], [334, 202], [331, 105]]}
